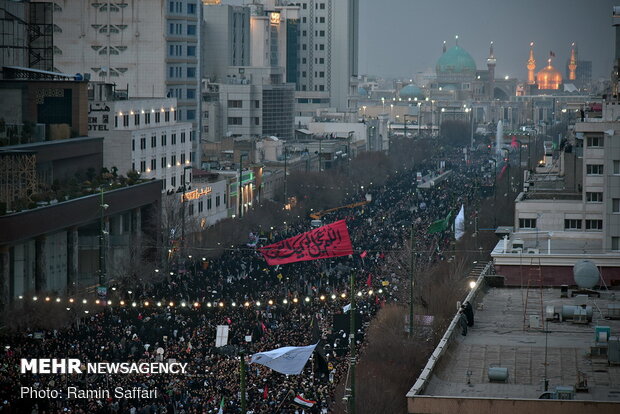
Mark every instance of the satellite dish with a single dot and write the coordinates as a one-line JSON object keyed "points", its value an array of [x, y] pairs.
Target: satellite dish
{"points": [[586, 274]]}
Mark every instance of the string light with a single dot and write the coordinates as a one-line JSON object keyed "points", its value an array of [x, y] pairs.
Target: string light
{"points": [[295, 300]]}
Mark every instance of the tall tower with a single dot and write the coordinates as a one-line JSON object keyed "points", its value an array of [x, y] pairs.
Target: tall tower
{"points": [[491, 67], [531, 66], [572, 65]]}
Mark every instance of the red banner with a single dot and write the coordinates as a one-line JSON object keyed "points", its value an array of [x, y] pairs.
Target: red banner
{"points": [[326, 241]]}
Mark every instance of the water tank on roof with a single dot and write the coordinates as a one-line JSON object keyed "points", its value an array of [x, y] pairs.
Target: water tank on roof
{"points": [[586, 274]]}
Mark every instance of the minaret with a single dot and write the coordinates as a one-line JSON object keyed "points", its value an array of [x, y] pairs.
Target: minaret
{"points": [[531, 66], [444, 46], [491, 67], [572, 65]]}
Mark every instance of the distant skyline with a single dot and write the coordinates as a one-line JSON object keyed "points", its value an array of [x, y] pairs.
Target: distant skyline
{"points": [[398, 38]]}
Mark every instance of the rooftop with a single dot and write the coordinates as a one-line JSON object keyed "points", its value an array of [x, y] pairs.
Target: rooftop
{"points": [[498, 339]]}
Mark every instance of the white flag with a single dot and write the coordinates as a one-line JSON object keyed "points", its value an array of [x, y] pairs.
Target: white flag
{"points": [[459, 224], [289, 360], [346, 308], [221, 336]]}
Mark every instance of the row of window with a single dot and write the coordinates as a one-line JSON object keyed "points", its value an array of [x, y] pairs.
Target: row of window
{"points": [[177, 50], [190, 93], [237, 103], [163, 141], [146, 117], [597, 169], [176, 29], [177, 72], [569, 224], [237, 120], [176, 7], [163, 163], [209, 204]]}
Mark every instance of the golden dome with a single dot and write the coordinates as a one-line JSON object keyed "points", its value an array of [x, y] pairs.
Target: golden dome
{"points": [[549, 77]]}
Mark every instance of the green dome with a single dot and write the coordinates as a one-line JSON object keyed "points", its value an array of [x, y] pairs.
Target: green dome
{"points": [[456, 60], [411, 91]]}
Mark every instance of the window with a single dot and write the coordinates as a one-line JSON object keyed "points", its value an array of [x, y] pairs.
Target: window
{"points": [[235, 120], [173, 139], [163, 162], [191, 73], [256, 120], [153, 141], [191, 114], [594, 197], [182, 137], [615, 205], [173, 181], [136, 119], [257, 104], [321, 74], [321, 19], [615, 243], [115, 121], [142, 166], [125, 120], [594, 169], [142, 143], [173, 160], [200, 208], [191, 94], [147, 118], [321, 33], [594, 225], [304, 33], [217, 201], [191, 209], [191, 50], [191, 8], [235, 103], [525, 223], [191, 30], [209, 203], [595, 142], [153, 164], [572, 224], [163, 140], [157, 117], [322, 6], [133, 144], [321, 46], [167, 116], [616, 167]]}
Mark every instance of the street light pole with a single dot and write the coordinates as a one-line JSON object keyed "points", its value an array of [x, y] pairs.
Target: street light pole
{"points": [[351, 390], [494, 191], [184, 200], [411, 274], [102, 264], [285, 177], [240, 195]]}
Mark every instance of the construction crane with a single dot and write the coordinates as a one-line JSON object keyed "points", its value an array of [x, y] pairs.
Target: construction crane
{"points": [[319, 214]]}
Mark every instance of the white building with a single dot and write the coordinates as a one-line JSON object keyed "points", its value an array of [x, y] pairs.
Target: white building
{"points": [[148, 48], [142, 135], [328, 55]]}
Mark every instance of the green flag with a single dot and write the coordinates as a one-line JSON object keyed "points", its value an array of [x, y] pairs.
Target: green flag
{"points": [[221, 410], [440, 225]]}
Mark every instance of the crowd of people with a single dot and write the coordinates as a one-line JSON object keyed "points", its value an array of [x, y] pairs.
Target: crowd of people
{"points": [[265, 307]]}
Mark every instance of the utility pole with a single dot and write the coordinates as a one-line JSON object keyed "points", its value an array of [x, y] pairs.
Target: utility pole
{"points": [[240, 195], [184, 200], [351, 390], [411, 275], [242, 385], [285, 177], [320, 154], [102, 264]]}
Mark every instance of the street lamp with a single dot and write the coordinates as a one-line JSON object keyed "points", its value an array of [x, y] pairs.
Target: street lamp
{"points": [[189, 167], [240, 195], [494, 190], [419, 116]]}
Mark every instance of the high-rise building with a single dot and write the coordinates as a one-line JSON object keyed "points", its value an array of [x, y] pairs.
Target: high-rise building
{"points": [[226, 42], [328, 55], [151, 50]]}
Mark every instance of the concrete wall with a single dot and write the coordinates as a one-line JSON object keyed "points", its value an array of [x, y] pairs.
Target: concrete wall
{"points": [[436, 405], [552, 275]]}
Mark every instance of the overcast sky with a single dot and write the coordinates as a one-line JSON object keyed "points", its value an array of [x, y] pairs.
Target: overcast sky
{"points": [[401, 37]]}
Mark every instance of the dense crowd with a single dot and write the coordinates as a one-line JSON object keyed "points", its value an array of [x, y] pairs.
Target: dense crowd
{"points": [[241, 277]]}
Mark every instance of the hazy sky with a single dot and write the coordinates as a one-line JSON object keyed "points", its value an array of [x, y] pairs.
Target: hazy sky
{"points": [[401, 37]]}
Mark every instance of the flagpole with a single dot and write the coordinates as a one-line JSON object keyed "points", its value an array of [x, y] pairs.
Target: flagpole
{"points": [[412, 269], [351, 391], [285, 397], [242, 374]]}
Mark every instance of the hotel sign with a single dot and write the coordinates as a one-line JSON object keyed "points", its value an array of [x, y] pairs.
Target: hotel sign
{"points": [[195, 194], [274, 18]]}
